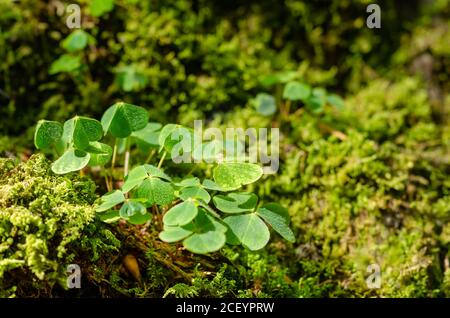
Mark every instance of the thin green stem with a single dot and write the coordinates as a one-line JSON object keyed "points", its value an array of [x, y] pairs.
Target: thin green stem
{"points": [[126, 163], [113, 163], [192, 170], [150, 156], [162, 159], [114, 157]]}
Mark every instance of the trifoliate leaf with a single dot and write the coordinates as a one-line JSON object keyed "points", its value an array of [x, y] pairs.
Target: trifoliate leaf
{"points": [[129, 78]]}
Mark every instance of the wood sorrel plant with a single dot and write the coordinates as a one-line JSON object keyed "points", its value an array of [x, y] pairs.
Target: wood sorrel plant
{"points": [[203, 214]]}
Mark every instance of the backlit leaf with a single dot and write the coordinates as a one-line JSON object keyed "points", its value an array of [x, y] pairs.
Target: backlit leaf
{"points": [[71, 160], [47, 134], [231, 176], [121, 119]]}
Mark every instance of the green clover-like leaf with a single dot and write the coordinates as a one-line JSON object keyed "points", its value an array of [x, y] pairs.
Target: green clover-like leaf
{"points": [[148, 136], [110, 216], [181, 214], [173, 135], [134, 212], [276, 78], [121, 119], [139, 218], [278, 217], [66, 63], [130, 78], [173, 234], [110, 200], [80, 131], [233, 175], [206, 242], [140, 173], [336, 101], [195, 192], [236, 202], [47, 134], [155, 191], [153, 171], [99, 7], [204, 234], [100, 153], [251, 231], [134, 178], [188, 182], [71, 160], [296, 91], [265, 104], [316, 101], [211, 185], [75, 41], [209, 234]]}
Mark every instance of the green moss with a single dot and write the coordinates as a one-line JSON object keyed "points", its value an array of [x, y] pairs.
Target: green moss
{"points": [[44, 221]]}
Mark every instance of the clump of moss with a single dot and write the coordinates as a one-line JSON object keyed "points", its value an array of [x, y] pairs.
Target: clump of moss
{"points": [[44, 220]]}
